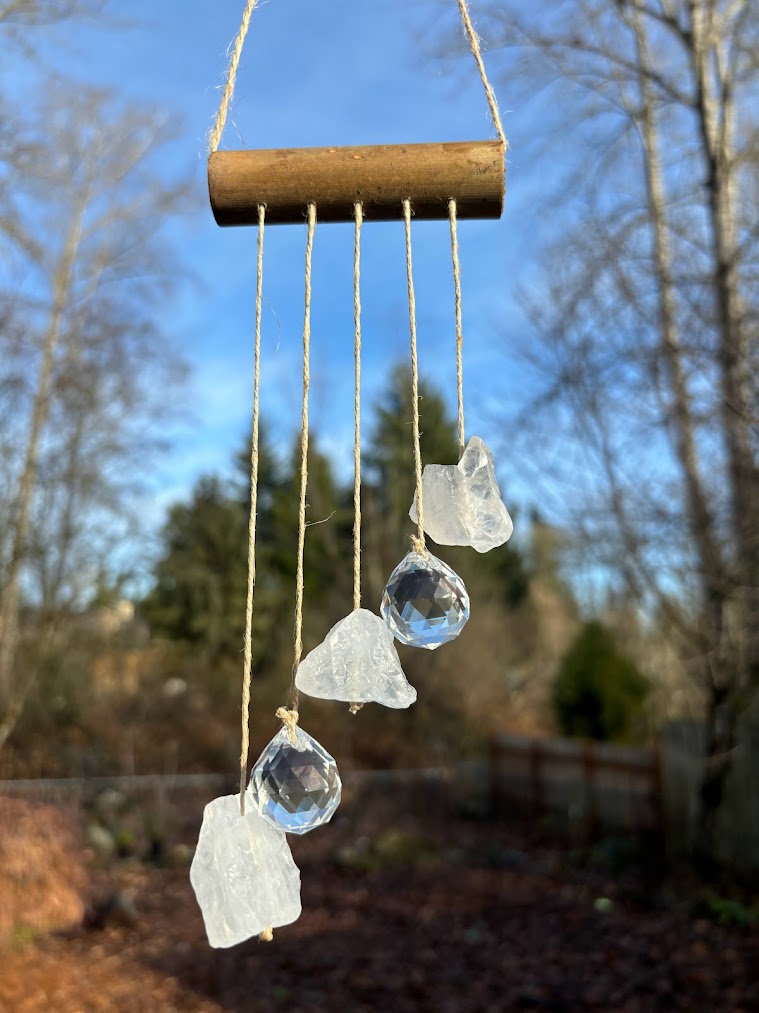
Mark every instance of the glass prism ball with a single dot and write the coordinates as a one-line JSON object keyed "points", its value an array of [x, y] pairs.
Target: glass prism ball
{"points": [[295, 786], [425, 603]]}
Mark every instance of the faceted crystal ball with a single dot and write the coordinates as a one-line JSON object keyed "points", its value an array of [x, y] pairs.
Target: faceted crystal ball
{"points": [[425, 603], [295, 787]]}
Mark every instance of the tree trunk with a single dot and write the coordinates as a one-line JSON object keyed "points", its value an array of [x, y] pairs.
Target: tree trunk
{"points": [[715, 112], [711, 564], [9, 599], [721, 720]]}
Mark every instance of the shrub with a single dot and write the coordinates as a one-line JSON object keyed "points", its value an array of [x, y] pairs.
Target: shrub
{"points": [[598, 692]]}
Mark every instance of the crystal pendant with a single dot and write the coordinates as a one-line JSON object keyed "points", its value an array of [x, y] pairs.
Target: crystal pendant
{"points": [[425, 603], [243, 874], [295, 786], [358, 663], [462, 502]]}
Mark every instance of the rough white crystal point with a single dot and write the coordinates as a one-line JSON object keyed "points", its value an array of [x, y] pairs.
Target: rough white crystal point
{"points": [[243, 874], [357, 662], [462, 502]]}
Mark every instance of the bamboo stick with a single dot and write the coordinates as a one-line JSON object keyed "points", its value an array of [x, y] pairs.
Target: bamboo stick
{"points": [[286, 180]]}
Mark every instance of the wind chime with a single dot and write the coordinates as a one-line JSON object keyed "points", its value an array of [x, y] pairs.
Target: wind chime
{"points": [[243, 873]]}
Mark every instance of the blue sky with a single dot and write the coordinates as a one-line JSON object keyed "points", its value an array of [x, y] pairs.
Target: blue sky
{"points": [[316, 74]]}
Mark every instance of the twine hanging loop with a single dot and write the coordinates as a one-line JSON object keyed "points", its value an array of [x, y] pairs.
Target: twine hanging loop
{"points": [[239, 41]]}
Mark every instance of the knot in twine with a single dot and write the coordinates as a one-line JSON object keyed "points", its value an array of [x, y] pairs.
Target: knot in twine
{"points": [[355, 708], [266, 936], [289, 719], [419, 545]]}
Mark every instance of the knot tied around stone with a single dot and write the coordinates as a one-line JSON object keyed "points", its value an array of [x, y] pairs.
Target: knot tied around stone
{"points": [[418, 544]]}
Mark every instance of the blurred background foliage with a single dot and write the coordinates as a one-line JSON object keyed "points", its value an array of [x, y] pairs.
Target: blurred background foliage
{"points": [[180, 664]]}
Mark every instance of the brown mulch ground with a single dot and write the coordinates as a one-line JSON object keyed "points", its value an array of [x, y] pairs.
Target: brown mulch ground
{"points": [[463, 917], [43, 872]]}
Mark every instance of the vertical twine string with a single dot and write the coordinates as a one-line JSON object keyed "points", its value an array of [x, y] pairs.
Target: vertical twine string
{"points": [[245, 708], [359, 213], [474, 44], [298, 634], [359, 218], [418, 541], [459, 330], [229, 85]]}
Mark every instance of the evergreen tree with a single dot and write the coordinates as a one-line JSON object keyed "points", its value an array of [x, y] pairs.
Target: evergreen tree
{"points": [[390, 456], [599, 692], [201, 578], [199, 594], [327, 566]]}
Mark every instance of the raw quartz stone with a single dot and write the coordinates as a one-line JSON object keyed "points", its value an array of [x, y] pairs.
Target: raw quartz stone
{"points": [[425, 603], [295, 786], [243, 874], [462, 502], [357, 662]]}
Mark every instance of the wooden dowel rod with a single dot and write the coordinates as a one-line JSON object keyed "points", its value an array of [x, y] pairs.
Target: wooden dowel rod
{"points": [[381, 176]]}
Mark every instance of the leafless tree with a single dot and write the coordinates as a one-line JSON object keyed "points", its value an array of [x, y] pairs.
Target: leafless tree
{"points": [[45, 12], [21, 20], [85, 275], [646, 321]]}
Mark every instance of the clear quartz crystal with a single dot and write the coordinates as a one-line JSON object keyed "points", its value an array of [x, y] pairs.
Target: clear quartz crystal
{"points": [[357, 662], [462, 502], [295, 787], [425, 603], [243, 874]]}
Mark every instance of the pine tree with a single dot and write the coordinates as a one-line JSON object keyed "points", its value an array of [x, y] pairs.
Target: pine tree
{"points": [[199, 595], [390, 456], [599, 692]]}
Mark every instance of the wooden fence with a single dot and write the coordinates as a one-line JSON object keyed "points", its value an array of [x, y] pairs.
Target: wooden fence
{"points": [[590, 785], [594, 784]]}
